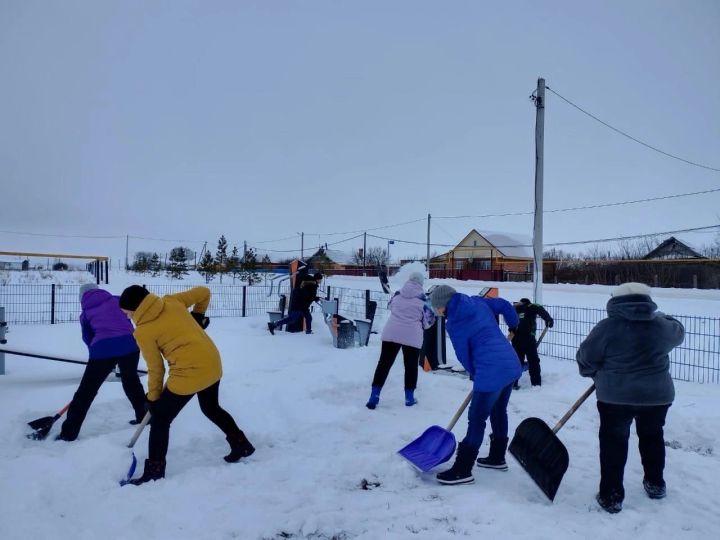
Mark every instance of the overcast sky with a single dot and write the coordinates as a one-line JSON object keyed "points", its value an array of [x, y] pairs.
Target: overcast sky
{"points": [[260, 120]]}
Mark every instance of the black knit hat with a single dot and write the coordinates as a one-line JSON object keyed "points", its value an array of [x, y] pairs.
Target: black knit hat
{"points": [[318, 276], [131, 297]]}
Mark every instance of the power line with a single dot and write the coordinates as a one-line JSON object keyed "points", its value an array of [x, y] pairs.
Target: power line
{"points": [[370, 229], [577, 242], [298, 251], [63, 235], [651, 147], [587, 207]]}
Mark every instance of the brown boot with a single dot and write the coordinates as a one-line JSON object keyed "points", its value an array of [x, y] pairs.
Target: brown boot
{"points": [[240, 447], [154, 470]]}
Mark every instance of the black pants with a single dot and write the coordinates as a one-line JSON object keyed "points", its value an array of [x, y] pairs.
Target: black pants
{"points": [[294, 316], [526, 347], [165, 409], [615, 421], [388, 352], [96, 371]]}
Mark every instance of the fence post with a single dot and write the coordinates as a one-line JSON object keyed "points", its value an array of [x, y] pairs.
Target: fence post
{"points": [[695, 281], [52, 304], [655, 280], [367, 302], [3, 341], [244, 298], [328, 293]]}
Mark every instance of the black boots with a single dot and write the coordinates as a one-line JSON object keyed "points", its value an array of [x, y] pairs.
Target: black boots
{"points": [[240, 447], [271, 328], [496, 458], [154, 470], [461, 471], [611, 503], [655, 490]]}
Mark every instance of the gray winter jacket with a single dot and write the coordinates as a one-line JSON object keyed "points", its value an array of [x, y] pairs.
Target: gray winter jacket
{"points": [[627, 353]]}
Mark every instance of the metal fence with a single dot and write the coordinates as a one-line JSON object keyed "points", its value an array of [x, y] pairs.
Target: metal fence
{"points": [[697, 359]]}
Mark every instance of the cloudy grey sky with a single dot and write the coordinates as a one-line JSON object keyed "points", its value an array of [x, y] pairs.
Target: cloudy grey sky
{"points": [[260, 120]]}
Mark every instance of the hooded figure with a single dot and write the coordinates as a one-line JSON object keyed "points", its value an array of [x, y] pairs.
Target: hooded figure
{"points": [[167, 331], [627, 356], [409, 317]]}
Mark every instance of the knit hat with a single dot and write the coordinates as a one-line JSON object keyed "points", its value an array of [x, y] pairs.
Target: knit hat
{"points": [[417, 277], [131, 297], [524, 300], [85, 287], [318, 276], [630, 288], [441, 295]]}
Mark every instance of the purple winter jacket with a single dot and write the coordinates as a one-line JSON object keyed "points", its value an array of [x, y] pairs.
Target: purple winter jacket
{"points": [[106, 330], [408, 316]]}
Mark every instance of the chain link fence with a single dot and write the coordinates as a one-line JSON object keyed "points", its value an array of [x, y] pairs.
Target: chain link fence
{"points": [[697, 359]]}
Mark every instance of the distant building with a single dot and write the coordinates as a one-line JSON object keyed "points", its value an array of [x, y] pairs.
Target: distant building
{"points": [[488, 256], [12, 265], [672, 248], [330, 259]]}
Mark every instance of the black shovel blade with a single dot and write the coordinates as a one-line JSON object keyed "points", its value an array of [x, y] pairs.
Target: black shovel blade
{"points": [[42, 423], [42, 427], [541, 454]]}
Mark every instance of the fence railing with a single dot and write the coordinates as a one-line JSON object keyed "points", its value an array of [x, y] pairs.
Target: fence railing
{"points": [[697, 359]]}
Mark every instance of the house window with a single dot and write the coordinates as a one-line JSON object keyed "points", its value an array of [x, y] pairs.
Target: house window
{"points": [[458, 264]]}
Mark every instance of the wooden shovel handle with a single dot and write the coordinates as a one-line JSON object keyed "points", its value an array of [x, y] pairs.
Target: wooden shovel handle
{"points": [[139, 430], [542, 335], [63, 410], [574, 408], [460, 411]]}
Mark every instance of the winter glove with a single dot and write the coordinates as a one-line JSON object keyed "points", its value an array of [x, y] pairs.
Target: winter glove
{"points": [[550, 323], [201, 319], [149, 405]]}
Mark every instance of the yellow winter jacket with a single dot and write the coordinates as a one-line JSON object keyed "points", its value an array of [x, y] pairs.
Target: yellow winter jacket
{"points": [[165, 328]]}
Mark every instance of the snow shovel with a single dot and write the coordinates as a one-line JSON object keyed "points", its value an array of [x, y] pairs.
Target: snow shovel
{"points": [[539, 451], [436, 445], [42, 426], [131, 444]]}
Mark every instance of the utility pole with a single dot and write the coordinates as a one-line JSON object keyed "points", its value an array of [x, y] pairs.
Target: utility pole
{"points": [[127, 245], [244, 249], [302, 245], [388, 254], [427, 259], [364, 247], [539, 99]]}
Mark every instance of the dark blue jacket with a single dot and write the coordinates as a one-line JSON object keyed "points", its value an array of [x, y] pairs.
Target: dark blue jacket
{"points": [[479, 344]]}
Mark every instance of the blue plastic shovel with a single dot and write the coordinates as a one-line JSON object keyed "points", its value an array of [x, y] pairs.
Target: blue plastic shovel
{"points": [[135, 437], [436, 445]]}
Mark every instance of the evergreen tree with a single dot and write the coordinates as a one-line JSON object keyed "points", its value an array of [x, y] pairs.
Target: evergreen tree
{"points": [[141, 263], [234, 264], [249, 267], [221, 257], [155, 266], [206, 267], [177, 268]]}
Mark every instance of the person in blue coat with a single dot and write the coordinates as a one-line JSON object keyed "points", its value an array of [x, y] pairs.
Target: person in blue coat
{"points": [[493, 366]]}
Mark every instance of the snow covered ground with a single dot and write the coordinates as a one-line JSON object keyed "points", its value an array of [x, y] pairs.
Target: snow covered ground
{"points": [[301, 403]]}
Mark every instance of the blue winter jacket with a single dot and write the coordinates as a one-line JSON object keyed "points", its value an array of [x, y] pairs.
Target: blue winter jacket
{"points": [[479, 344]]}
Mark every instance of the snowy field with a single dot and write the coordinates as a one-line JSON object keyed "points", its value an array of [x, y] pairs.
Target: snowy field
{"points": [[301, 403]]}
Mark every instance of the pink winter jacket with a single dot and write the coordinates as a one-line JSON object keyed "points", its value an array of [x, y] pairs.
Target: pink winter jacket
{"points": [[408, 316]]}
